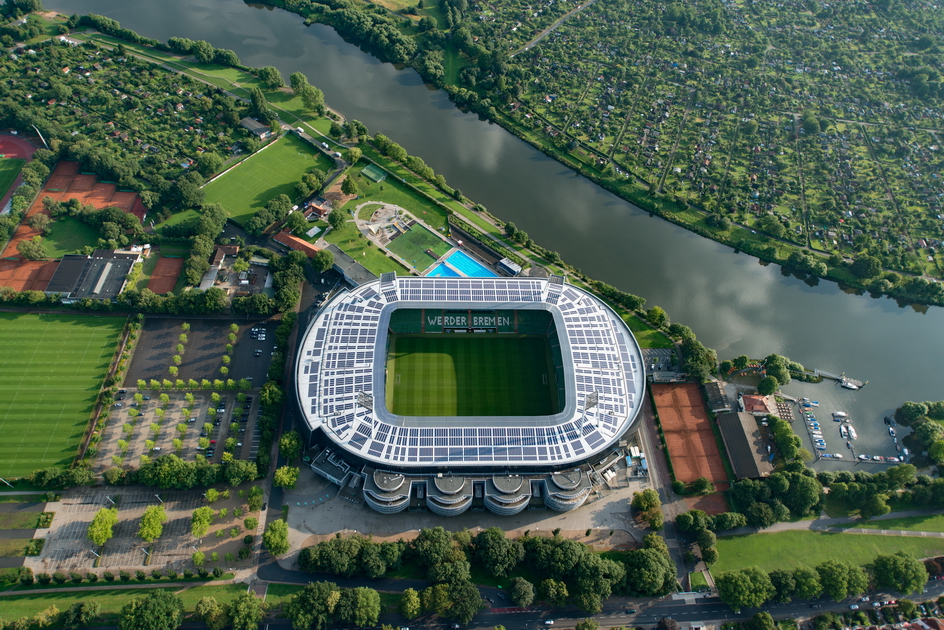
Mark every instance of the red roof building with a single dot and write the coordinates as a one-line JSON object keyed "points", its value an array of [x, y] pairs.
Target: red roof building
{"points": [[295, 243], [757, 405]]}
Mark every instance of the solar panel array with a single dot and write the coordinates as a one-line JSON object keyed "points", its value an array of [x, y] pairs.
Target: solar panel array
{"points": [[337, 362]]}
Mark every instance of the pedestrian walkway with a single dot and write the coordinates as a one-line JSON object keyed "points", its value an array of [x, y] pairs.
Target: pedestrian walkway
{"points": [[836, 525]]}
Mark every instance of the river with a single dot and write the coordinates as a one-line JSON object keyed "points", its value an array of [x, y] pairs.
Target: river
{"points": [[732, 302]]}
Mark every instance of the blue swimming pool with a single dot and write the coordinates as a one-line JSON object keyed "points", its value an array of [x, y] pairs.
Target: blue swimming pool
{"points": [[442, 271], [470, 267]]}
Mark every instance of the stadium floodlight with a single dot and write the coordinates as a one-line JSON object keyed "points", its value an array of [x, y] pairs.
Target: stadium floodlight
{"points": [[591, 401], [365, 400]]}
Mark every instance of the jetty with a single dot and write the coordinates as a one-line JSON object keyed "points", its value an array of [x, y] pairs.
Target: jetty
{"points": [[844, 381]]}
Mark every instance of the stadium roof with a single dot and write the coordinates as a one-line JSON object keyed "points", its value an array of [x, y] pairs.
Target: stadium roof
{"points": [[341, 367]]}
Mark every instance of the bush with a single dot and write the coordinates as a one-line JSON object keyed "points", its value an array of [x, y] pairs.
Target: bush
{"points": [[108, 576], [217, 572], [244, 553], [75, 577], [188, 574], [91, 577], [140, 575], [44, 578], [247, 540], [26, 575], [157, 574], [59, 577], [124, 575], [171, 574], [203, 573]]}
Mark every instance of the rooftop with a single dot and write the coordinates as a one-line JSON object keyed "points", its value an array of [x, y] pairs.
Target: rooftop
{"points": [[746, 446]]}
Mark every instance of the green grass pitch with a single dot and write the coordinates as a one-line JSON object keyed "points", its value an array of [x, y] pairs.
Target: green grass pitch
{"points": [[9, 169], [51, 370], [412, 247], [469, 375], [264, 176]]}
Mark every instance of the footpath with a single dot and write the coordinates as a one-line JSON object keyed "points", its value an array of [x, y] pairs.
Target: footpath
{"points": [[842, 525]]}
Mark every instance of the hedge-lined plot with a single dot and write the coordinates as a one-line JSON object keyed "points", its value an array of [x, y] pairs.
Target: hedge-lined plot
{"points": [[51, 370], [264, 176]]}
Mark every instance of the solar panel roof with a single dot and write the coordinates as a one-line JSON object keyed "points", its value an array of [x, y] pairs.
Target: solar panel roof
{"points": [[343, 353]]}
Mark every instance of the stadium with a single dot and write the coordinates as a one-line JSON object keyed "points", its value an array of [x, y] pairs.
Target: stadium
{"points": [[455, 393]]}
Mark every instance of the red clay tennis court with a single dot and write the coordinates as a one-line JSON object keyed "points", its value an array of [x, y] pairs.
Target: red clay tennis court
{"points": [[27, 275], [165, 274], [688, 434]]}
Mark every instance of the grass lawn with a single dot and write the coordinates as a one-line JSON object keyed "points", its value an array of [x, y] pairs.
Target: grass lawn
{"points": [[53, 366], [19, 520], [646, 335], [697, 578], [22, 498], [394, 192], [147, 268], [9, 169], [838, 508], [67, 235], [456, 375], [111, 600], [356, 245], [927, 523], [13, 547], [185, 217], [277, 594], [412, 247], [263, 176], [790, 549]]}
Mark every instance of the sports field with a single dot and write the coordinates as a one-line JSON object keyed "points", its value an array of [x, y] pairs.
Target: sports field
{"points": [[469, 375], [51, 369], [9, 169], [264, 176], [412, 247]]}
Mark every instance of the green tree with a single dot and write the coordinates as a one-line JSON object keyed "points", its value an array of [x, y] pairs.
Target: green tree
{"points": [[246, 611], [260, 107], [767, 386], [290, 444], [908, 609], [842, 579], [212, 613], [81, 614], [158, 610], [275, 538], [587, 624], [152, 523], [271, 76], [748, 588], [32, 249], [323, 260], [336, 219], [410, 606], [496, 553], [297, 223], [657, 317], [100, 530], [286, 477], [521, 591], [899, 572], [866, 267], [350, 187], [200, 521], [553, 592]]}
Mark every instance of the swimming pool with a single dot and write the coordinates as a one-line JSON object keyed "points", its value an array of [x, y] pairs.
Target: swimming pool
{"points": [[442, 271], [468, 266]]}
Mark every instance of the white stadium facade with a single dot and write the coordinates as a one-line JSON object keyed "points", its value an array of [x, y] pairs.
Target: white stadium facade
{"points": [[449, 464]]}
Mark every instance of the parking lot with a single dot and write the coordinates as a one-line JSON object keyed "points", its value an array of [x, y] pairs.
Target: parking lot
{"points": [[134, 424], [203, 352], [68, 549]]}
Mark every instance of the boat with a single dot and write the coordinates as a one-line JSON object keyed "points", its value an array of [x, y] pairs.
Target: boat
{"points": [[817, 433], [838, 418], [878, 458], [865, 457], [848, 385], [848, 444], [837, 455], [839, 414], [812, 419], [895, 440], [820, 447], [891, 431], [814, 403], [827, 455], [898, 447], [852, 432], [892, 459], [844, 431]]}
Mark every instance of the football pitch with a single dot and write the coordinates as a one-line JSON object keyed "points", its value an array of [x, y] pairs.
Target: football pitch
{"points": [[9, 169], [412, 247], [264, 176], [51, 370], [469, 375]]}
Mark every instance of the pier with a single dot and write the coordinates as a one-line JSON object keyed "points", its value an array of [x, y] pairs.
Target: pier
{"points": [[844, 380]]}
